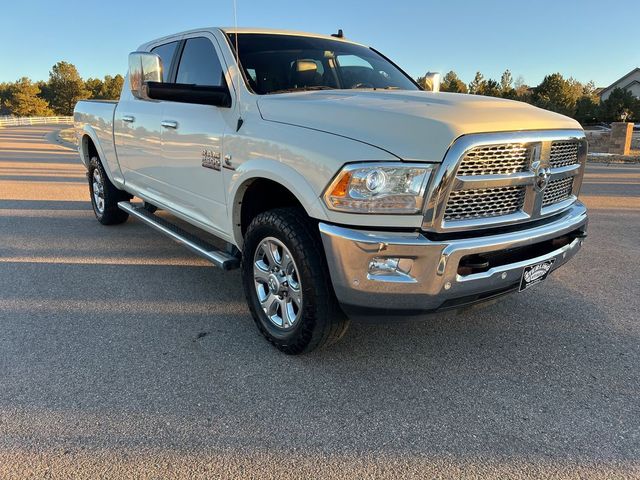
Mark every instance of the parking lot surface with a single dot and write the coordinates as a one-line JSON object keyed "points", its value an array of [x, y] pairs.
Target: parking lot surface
{"points": [[123, 355]]}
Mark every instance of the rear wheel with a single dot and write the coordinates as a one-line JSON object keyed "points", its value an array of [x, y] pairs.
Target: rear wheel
{"points": [[105, 196], [287, 283]]}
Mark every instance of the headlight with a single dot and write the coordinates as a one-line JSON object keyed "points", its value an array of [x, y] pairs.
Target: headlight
{"points": [[379, 188]]}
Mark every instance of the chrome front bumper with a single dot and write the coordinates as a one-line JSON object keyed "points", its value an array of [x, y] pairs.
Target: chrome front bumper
{"points": [[427, 277]]}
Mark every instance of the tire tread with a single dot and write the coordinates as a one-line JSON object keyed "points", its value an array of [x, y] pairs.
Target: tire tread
{"points": [[112, 215], [326, 323]]}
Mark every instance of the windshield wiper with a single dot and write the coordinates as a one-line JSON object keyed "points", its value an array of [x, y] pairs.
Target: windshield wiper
{"points": [[374, 88], [303, 89]]}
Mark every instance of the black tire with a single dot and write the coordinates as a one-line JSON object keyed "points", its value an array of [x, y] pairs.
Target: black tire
{"points": [[109, 214], [321, 321]]}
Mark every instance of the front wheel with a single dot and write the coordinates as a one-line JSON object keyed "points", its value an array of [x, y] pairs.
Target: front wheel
{"points": [[287, 283]]}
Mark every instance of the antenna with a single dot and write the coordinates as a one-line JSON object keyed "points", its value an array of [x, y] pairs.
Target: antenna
{"points": [[239, 72], [340, 34]]}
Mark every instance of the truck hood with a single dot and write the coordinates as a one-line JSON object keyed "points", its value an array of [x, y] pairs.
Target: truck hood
{"points": [[410, 125]]}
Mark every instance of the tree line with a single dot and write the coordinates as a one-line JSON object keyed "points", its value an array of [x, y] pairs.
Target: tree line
{"points": [[59, 94], [556, 93], [56, 96]]}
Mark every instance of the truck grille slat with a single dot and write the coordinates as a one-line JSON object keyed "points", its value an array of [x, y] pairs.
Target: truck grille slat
{"points": [[496, 160], [498, 179], [485, 202], [563, 154], [557, 191]]}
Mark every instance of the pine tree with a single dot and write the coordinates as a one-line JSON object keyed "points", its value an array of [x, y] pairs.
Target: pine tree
{"points": [[557, 94], [112, 86], [107, 89], [5, 93], [477, 84], [451, 83], [66, 88], [95, 87], [24, 101], [490, 88], [621, 105], [587, 110], [506, 85]]}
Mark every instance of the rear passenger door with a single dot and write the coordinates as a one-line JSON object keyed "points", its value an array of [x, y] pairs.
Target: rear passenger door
{"points": [[137, 131], [192, 138]]}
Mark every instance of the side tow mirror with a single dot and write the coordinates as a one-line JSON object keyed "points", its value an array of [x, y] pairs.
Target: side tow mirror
{"points": [[431, 82], [144, 67]]}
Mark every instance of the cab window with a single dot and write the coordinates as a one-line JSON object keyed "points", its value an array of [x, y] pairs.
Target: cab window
{"points": [[199, 64], [166, 53]]}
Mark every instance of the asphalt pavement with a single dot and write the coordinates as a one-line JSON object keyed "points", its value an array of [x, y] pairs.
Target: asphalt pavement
{"points": [[122, 355]]}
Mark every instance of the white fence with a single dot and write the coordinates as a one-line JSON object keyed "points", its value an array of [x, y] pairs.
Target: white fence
{"points": [[19, 121]]}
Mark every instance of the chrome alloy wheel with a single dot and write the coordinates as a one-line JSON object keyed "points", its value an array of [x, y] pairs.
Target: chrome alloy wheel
{"points": [[98, 190], [277, 283]]}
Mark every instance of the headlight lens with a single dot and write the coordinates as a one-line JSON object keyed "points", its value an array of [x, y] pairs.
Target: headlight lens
{"points": [[379, 188]]}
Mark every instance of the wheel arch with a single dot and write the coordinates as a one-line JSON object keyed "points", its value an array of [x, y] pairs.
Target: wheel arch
{"points": [[268, 185], [88, 149], [89, 145]]}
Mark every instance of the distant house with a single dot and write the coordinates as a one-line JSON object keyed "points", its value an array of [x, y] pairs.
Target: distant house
{"points": [[630, 82]]}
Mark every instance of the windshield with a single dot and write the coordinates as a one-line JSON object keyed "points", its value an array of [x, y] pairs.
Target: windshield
{"points": [[285, 63]]}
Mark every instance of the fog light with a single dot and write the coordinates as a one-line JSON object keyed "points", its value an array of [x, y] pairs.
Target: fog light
{"points": [[391, 269], [383, 266]]}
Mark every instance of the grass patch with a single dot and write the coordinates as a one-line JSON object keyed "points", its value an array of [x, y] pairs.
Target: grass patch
{"points": [[68, 135]]}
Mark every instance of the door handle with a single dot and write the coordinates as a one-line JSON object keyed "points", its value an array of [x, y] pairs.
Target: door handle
{"points": [[128, 118], [169, 124]]}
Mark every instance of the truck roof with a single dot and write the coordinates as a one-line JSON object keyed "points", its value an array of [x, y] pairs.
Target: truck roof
{"points": [[271, 31], [275, 31]]}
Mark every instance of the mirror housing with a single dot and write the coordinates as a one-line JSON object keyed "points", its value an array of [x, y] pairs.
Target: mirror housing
{"points": [[144, 67], [187, 93], [431, 82]]}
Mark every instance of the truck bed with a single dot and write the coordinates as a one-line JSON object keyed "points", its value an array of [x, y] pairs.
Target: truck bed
{"points": [[95, 118]]}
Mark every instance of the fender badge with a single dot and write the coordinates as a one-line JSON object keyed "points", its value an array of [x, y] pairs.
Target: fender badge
{"points": [[211, 159]]}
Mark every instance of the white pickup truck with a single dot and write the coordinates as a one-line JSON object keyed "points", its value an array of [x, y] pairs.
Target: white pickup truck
{"points": [[338, 185]]}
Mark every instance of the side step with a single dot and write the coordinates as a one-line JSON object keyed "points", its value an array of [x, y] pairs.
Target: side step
{"points": [[216, 256]]}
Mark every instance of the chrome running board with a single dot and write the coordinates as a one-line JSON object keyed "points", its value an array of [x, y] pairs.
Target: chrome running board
{"points": [[219, 258]]}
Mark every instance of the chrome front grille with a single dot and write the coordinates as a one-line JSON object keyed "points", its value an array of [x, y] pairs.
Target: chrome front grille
{"points": [[495, 179], [563, 154], [484, 202], [557, 191], [496, 160]]}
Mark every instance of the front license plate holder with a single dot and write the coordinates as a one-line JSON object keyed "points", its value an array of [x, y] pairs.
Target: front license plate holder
{"points": [[535, 273]]}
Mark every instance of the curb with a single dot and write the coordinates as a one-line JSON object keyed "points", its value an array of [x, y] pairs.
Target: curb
{"points": [[54, 137], [619, 159]]}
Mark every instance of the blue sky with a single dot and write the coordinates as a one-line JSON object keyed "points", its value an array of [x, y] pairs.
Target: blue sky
{"points": [[583, 39]]}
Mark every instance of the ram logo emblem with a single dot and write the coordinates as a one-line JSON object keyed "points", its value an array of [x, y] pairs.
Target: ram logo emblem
{"points": [[542, 174], [211, 159]]}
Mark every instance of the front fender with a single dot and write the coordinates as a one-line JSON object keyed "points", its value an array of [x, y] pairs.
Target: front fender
{"points": [[277, 172]]}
